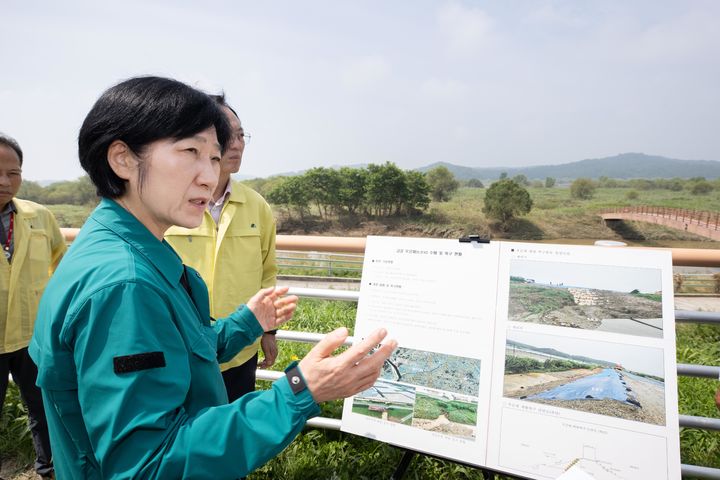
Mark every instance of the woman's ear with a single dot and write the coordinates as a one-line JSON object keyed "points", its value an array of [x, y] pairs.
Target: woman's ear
{"points": [[121, 159]]}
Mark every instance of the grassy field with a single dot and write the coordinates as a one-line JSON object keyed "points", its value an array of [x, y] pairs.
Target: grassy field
{"points": [[456, 411], [555, 215]]}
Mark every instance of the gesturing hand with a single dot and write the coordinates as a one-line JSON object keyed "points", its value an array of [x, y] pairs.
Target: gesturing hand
{"points": [[268, 344], [353, 371], [270, 307]]}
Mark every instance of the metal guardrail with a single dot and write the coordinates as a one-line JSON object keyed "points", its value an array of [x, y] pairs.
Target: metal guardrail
{"points": [[319, 261], [690, 257]]}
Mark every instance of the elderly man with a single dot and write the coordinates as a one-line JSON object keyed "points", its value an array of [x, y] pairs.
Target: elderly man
{"points": [[234, 251], [32, 246]]}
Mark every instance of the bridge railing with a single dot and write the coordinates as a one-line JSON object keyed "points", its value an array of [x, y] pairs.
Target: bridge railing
{"points": [[703, 218]]}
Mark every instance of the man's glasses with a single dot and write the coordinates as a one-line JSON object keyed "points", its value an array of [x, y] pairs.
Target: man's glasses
{"points": [[242, 136]]}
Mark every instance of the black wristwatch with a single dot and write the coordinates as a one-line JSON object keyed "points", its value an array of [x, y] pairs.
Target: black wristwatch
{"points": [[295, 378], [272, 332]]}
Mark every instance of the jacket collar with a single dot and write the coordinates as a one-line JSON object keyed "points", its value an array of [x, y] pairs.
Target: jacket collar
{"points": [[22, 208], [238, 193], [115, 218]]}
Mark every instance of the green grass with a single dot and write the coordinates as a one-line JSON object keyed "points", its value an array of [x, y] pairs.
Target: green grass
{"points": [[430, 408], [538, 299], [72, 216], [15, 438], [698, 344], [515, 364], [656, 297]]}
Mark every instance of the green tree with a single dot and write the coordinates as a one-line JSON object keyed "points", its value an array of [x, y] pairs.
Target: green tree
{"points": [[506, 199], [701, 187], [323, 188], [475, 183], [292, 193], [521, 179], [582, 188], [386, 187], [417, 191], [606, 182], [442, 183], [549, 182], [503, 175], [32, 191], [351, 194]]}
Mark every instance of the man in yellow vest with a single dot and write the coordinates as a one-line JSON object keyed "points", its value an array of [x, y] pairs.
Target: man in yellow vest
{"points": [[32, 245], [233, 249]]}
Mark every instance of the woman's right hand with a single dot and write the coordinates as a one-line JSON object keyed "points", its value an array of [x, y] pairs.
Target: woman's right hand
{"points": [[332, 377], [271, 308]]}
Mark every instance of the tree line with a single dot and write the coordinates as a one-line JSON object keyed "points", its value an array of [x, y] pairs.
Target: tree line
{"points": [[68, 192], [378, 190]]}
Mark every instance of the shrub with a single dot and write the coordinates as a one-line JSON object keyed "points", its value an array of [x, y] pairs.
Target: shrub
{"points": [[582, 188], [505, 200]]}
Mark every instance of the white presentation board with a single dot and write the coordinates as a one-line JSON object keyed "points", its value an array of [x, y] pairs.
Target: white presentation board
{"points": [[523, 357]]}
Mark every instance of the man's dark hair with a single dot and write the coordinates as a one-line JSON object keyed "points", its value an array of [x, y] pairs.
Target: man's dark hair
{"points": [[140, 111], [221, 100], [7, 140]]}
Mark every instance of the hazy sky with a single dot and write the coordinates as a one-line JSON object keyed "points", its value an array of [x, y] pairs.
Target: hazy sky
{"points": [[603, 277], [322, 83]]}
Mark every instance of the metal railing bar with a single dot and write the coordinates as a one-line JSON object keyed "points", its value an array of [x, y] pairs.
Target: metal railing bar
{"points": [[697, 317], [701, 371], [312, 243], [319, 260], [333, 254], [319, 267], [704, 423], [325, 294], [306, 337], [696, 471]]}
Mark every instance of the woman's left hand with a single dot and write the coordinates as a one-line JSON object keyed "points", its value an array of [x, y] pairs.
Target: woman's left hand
{"points": [[271, 308]]}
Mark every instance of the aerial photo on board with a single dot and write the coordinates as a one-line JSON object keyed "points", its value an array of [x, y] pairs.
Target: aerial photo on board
{"points": [[387, 401], [606, 298], [433, 370], [617, 380]]}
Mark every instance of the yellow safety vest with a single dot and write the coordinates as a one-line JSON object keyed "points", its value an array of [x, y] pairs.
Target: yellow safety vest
{"points": [[235, 257], [38, 247]]}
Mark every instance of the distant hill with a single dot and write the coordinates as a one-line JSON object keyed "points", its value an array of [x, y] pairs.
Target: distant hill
{"points": [[557, 353], [625, 165]]}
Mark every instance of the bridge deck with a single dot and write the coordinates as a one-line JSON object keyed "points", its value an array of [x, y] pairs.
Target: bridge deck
{"points": [[707, 229]]}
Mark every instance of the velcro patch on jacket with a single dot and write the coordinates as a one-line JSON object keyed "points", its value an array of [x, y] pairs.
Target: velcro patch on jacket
{"points": [[138, 362]]}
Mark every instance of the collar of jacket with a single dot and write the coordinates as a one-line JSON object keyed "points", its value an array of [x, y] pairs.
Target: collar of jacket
{"points": [[115, 218], [238, 193]]}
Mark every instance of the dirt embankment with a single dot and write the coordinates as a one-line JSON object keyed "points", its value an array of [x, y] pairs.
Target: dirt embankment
{"points": [[520, 385], [352, 228], [562, 311], [443, 425]]}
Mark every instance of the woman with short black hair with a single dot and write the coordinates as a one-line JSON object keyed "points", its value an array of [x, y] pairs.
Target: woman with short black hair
{"points": [[126, 351]]}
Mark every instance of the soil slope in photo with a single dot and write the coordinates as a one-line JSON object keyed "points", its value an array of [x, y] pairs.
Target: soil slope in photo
{"points": [[556, 305]]}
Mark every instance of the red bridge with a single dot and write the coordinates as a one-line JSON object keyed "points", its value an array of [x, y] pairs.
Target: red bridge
{"points": [[703, 223]]}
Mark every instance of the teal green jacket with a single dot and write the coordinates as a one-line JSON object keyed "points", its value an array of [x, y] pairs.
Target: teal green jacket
{"points": [[128, 366]]}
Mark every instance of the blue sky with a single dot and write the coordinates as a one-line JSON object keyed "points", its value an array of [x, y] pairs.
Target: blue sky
{"points": [[323, 83]]}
